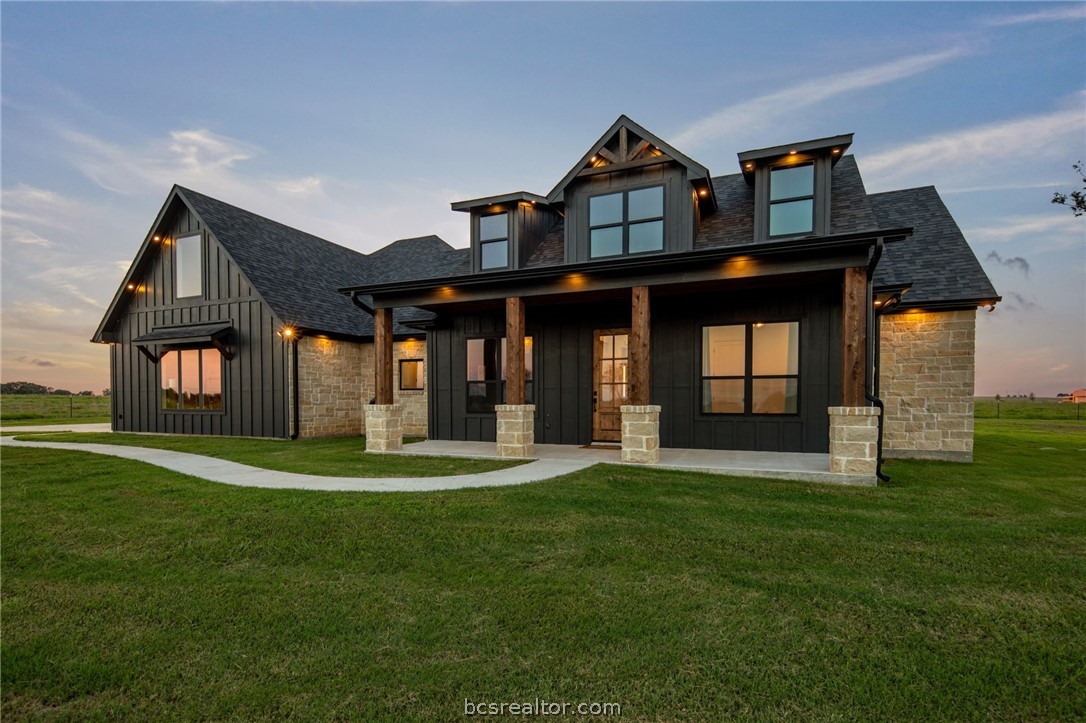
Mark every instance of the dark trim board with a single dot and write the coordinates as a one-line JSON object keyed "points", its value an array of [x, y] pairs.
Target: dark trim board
{"points": [[563, 349]]}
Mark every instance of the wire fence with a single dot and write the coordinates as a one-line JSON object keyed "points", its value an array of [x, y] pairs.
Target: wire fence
{"points": [[50, 406]]}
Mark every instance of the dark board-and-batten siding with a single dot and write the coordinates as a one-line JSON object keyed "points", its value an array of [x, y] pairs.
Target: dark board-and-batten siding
{"points": [[562, 350], [255, 381]]}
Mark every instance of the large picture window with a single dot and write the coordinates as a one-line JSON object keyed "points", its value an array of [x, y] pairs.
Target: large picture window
{"points": [[750, 369], [191, 379], [486, 373], [189, 266], [629, 222], [494, 241], [791, 200]]}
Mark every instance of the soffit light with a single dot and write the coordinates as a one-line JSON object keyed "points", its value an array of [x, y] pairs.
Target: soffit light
{"points": [[131, 287]]}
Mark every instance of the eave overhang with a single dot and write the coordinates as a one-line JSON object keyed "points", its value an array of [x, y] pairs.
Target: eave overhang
{"points": [[731, 262], [749, 160], [502, 199]]}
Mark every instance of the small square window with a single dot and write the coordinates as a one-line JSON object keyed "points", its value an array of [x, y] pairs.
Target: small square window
{"points": [[411, 374]]}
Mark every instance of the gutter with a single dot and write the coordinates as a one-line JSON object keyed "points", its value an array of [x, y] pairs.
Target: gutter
{"points": [[873, 358]]}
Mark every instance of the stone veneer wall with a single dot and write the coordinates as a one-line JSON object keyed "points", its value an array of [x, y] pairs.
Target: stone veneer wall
{"points": [[926, 382], [336, 380]]}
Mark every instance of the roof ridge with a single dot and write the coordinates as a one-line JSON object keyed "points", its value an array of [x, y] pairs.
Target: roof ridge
{"points": [[902, 190], [247, 212]]}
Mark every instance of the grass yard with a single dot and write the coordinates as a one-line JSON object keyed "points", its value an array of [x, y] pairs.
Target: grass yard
{"points": [[24, 409], [334, 457], [1041, 408], [956, 592]]}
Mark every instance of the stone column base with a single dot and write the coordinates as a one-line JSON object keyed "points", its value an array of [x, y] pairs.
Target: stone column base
{"points": [[384, 427], [516, 430], [854, 440], [641, 433]]}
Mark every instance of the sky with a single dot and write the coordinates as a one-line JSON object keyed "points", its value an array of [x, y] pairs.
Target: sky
{"points": [[361, 122]]}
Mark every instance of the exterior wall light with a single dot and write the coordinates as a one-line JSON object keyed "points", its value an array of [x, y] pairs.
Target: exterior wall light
{"points": [[288, 332]]}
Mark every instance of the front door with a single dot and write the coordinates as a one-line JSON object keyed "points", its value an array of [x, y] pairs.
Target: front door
{"points": [[610, 383]]}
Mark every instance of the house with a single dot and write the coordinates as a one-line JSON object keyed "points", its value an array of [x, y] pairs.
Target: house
{"points": [[642, 302], [228, 323], [1076, 397], [645, 302]]}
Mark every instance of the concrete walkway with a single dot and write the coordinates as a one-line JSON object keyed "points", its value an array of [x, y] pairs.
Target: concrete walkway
{"points": [[242, 475]]}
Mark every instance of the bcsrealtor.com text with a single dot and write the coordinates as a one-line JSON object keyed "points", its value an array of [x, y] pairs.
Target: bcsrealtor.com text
{"points": [[540, 707]]}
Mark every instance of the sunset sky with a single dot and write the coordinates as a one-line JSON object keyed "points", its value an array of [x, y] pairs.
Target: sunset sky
{"points": [[362, 122]]}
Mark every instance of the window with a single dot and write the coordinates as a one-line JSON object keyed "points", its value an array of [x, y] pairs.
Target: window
{"points": [[411, 374], [494, 241], [630, 222], [189, 266], [191, 379], [486, 373], [750, 369], [791, 200]]}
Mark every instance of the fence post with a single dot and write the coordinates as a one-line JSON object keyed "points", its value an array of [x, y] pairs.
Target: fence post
{"points": [[71, 407]]}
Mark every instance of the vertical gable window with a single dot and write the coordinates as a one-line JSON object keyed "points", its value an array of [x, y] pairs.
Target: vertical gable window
{"points": [[189, 266], [629, 222], [791, 200], [191, 379], [750, 369], [494, 241]]}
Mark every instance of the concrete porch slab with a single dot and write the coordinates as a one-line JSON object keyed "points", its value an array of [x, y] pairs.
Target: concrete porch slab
{"points": [[772, 465]]}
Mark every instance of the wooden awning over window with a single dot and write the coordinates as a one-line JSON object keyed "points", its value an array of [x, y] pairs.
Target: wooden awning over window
{"points": [[162, 339]]}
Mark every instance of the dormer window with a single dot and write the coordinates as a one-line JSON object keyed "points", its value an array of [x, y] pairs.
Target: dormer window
{"points": [[791, 200], [189, 266], [494, 241], [629, 222]]}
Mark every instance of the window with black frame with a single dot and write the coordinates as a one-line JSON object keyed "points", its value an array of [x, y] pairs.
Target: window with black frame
{"points": [[791, 200], [628, 222], [486, 373], [191, 380], [494, 241], [750, 368]]}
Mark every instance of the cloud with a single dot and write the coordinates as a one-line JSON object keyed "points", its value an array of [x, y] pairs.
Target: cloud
{"points": [[1059, 368], [1013, 301], [759, 111], [26, 205], [37, 362], [1015, 263], [980, 152], [1063, 229], [1073, 11]]}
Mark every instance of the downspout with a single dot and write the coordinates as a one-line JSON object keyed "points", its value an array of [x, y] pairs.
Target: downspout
{"points": [[873, 349], [297, 407]]}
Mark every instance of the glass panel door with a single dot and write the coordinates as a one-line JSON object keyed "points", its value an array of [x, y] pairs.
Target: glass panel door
{"points": [[611, 387]]}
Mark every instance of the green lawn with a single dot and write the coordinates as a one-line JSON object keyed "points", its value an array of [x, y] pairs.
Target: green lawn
{"points": [[956, 592], [335, 457], [1041, 408], [16, 409]]}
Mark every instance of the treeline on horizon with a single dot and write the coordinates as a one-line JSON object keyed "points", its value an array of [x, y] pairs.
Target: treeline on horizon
{"points": [[32, 388]]}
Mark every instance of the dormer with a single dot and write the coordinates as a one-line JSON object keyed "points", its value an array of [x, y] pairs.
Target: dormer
{"points": [[631, 194], [506, 229], [792, 186]]}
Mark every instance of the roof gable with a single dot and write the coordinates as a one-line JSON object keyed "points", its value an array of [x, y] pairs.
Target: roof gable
{"points": [[627, 144]]}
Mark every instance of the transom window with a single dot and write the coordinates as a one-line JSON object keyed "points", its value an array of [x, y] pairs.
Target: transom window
{"points": [[486, 373], [191, 379], [411, 374], [629, 222], [189, 266], [494, 241], [750, 368], [791, 200]]}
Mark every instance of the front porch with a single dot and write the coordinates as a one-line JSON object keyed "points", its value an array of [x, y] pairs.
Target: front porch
{"points": [[795, 466]]}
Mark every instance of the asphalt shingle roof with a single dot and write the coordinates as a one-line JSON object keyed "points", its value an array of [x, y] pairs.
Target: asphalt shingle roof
{"points": [[298, 273], [936, 259]]}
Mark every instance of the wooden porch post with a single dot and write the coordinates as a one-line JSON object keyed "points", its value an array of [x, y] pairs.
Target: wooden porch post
{"points": [[514, 350], [382, 340], [640, 346], [854, 338]]}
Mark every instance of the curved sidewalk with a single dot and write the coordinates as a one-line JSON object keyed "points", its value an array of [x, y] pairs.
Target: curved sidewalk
{"points": [[242, 475]]}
